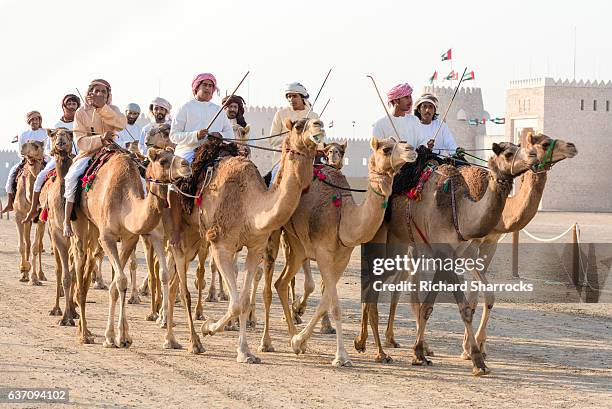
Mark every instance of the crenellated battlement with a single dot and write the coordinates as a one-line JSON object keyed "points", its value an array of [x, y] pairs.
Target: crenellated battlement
{"points": [[551, 82]]}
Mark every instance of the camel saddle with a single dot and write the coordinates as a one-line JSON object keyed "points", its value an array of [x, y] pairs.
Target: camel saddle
{"points": [[87, 178], [207, 156]]}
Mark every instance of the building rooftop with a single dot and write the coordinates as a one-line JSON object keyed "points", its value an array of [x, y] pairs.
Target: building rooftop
{"points": [[551, 82]]}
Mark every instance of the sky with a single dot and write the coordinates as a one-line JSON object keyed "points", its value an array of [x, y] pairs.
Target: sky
{"points": [[146, 49]]}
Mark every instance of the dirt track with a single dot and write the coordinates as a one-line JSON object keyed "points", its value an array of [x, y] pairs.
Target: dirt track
{"points": [[540, 355]]}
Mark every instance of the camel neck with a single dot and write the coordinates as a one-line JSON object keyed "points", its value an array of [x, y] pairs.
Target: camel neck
{"points": [[521, 208]]}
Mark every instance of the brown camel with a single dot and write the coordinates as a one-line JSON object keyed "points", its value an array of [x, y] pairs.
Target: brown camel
{"points": [[333, 153], [113, 210], [519, 210], [33, 153], [327, 230], [52, 198], [239, 210], [433, 215]]}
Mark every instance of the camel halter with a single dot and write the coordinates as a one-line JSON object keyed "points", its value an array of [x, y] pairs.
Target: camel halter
{"points": [[547, 161]]}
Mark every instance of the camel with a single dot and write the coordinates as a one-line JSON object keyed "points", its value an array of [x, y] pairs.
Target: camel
{"points": [[433, 220], [239, 210], [241, 134], [113, 210], [52, 198], [519, 210], [33, 154], [333, 155], [327, 231]]}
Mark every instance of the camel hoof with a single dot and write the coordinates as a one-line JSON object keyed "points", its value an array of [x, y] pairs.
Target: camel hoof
{"points": [[134, 298], [152, 317], [109, 344], [231, 327], [56, 311], [328, 330], [196, 347], [222, 297], [383, 359], [99, 285], [251, 323], [297, 320], [340, 362], [247, 358], [205, 328], [172, 344], [211, 297], [87, 339], [298, 344], [24, 279], [265, 348], [75, 315], [125, 343], [66, 322], [420, 361], [144, 291], [392, 344], [481, 371], [360, 345], [34, 282], [41, 276], [465, 356], [199, 316]]}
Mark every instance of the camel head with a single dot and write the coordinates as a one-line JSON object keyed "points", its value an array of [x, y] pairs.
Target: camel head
{"points": [[389, 155], [549, 151], [305, 134], [61, 141], [241, 132], [165, 166], [159, 137], [33, 151], [510, 160], [334, 153]]}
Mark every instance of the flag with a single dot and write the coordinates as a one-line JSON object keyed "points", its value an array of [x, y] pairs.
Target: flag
{"points": [[498, 121], [472, 121], [452, 76], [15, 139], [434, 77], [483, 121], [468, 76], [447, 55]]}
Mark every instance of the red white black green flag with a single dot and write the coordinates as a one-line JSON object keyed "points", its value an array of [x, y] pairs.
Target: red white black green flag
{"points": [[469, 76], [452, 76], [447, 55], [434, 77]]}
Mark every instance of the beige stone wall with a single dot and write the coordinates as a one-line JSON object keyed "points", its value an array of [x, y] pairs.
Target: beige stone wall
{"points": [[583, 183]]}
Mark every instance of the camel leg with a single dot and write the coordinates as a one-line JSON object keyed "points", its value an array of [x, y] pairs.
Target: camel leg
{"points": [[24, 265], [79, 243], [360, 340], [225, 261], [390, 341], [222, 295], [117, 290], [212, 290], [294, 257], [252, 321], [56, 310], [342, 358], [98, 280], [134, 294], [299, 306], [326, 326], [151, 278], [170, 288], [181, 260], [64, 273], [201, 283], [244, 354], [270, 255], [36, 274]]}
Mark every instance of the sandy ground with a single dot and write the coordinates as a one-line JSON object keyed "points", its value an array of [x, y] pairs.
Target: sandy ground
{"points": [[546, 355]]}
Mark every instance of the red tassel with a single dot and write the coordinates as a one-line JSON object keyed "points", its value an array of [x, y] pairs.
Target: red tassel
{"points": [[198, 201], [44, 215]]}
